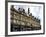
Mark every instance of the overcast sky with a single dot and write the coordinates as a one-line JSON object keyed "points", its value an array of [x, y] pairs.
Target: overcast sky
{"points": [[35, 10]]}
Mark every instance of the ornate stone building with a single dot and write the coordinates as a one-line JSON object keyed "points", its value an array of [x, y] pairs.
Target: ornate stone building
{"points": [[20, 21]]}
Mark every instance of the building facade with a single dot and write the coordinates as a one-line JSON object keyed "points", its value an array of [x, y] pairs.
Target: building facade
{"points": [[20, 21]]}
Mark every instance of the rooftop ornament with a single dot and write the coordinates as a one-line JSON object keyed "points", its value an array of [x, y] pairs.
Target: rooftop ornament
{"points": [[12, 8]]}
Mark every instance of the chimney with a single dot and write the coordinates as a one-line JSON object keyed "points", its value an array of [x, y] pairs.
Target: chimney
{"points": [[28, 10]]}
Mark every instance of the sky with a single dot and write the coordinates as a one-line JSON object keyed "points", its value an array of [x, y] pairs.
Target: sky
{"points": [[35, 10]]}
